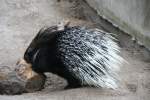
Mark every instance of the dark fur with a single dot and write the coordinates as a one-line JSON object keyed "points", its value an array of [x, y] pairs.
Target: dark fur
{"points": [[47, 59]]}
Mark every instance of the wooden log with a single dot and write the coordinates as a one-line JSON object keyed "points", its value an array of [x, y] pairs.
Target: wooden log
{"points": [[22, 80]]}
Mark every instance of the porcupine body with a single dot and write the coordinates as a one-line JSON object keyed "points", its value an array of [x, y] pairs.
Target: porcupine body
{"points": [[80, 55]]}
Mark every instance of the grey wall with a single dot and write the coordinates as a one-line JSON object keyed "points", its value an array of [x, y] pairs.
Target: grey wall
{"points": [[132, 16]]}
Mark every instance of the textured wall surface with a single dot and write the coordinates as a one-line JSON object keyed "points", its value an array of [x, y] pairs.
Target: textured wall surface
{"points": [[132, 16]]}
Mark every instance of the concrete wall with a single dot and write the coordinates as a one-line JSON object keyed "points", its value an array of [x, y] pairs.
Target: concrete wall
{"points": [[131, 16]]}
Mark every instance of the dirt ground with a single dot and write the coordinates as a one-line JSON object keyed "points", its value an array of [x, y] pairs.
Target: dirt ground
{"points": [[20, 20]]}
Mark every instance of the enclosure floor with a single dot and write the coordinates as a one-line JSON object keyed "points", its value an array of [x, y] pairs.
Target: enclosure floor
{"points": [[20, 20]]}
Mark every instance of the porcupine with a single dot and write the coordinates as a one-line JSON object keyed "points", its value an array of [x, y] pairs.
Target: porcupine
{"points": [[81, 55]]}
